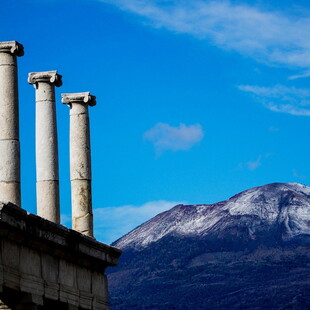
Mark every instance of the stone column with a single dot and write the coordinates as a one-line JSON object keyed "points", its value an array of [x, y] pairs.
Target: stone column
{"points": [[80, 165], [9, 123], [46, 144]]}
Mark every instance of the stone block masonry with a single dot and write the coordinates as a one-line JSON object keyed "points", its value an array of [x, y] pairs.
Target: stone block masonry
{"points": [[44, 265]]}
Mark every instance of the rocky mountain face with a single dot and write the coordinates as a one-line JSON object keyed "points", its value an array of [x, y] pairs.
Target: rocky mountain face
{"points": [[251, 251]]}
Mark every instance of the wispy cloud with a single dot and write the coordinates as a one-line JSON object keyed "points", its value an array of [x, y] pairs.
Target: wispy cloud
{"points": [[301, 75], [298, 175], [279, 98], [252, 165], [112, 223], [165, 137], [273, 129], [267, 36]]}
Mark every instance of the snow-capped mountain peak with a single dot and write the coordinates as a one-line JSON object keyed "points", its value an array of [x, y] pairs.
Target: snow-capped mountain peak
{"points": [[281, 207]]}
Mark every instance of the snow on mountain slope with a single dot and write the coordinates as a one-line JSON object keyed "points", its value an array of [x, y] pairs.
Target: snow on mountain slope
{"points": [[285, 205]]}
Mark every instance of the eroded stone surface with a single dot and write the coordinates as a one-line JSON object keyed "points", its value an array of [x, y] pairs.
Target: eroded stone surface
{"points": [[80, 164], [11, 190], [46, 144], [48, 200], [9, 170], [12, 47], [9, 128], [48, 264]]}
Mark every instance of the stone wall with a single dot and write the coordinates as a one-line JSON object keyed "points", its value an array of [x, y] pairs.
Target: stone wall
{"points": [[44, 265]]}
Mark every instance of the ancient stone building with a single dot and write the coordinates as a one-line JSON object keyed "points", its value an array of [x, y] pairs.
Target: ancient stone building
{"points": [[44, 265]]}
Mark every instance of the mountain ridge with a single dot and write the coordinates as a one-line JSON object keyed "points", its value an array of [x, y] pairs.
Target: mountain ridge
{"points": [[251, 251], [200, 218]]}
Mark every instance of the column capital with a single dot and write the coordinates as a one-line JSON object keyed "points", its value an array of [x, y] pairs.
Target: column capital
{"points": [[81, 98], [51, 77], [12, 47]]}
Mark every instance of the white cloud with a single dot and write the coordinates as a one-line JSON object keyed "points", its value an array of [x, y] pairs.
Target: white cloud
{"points": [[279, 98], [267, 36], [112, 223], [165, 137], [277, 91]]}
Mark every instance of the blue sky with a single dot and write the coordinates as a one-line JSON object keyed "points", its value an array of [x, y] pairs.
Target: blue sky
{"points": [[196, 100]]}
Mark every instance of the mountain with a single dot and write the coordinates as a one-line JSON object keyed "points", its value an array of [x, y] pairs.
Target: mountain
{"points": [[248, 252]]}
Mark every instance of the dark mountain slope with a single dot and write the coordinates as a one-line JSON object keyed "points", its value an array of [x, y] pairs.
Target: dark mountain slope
{"points": [[249, 252]]}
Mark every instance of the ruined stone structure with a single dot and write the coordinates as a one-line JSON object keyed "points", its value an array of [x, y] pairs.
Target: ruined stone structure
{"points": [[80, 167], [9, 123], [46, 144], [44, 265]]}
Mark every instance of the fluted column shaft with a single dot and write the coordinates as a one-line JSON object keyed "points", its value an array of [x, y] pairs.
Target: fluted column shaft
{"points": [[80, 161], [9, 123], [46, 144]]}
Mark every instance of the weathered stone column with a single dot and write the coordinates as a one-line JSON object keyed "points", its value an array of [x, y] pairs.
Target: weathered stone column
{"points": [[9, 123], [46, 144], [80, 165]]}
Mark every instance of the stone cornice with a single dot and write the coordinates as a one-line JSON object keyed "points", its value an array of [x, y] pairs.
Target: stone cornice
{"points": [[36, 232], [51, 77], [81, 98], [12, 47]]}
